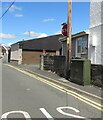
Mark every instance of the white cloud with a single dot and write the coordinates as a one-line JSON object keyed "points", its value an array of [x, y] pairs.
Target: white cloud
{"points": [[7, 36], [18, 15], [9, 44], [42, 35], [14, 7], [33, 34], [47, 20], [58, 32]]}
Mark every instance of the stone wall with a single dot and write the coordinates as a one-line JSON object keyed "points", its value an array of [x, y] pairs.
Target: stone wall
{"points": [[97, 75], [57, 64], [53, 63]]}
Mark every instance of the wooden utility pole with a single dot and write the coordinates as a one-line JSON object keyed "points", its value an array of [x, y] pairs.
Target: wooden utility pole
{"points": [[69, 31], [29, 34]]}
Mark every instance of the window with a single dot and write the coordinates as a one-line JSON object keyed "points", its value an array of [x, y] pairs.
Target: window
{"points": [[81, 45]]}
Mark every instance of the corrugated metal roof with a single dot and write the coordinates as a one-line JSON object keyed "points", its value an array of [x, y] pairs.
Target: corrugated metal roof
{"points": [[47, 43]]}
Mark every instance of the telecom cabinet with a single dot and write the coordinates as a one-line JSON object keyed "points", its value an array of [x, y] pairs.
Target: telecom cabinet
{"points": [[80, 71]]}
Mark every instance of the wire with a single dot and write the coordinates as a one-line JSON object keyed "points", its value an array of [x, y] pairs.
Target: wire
{"points": [[7, 9]]}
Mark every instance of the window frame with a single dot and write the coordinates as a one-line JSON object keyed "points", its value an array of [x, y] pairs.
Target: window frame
{"points": [[81, 45]]}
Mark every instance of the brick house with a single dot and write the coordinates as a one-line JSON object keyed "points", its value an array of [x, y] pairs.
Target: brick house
{"points": [[29, 51]]}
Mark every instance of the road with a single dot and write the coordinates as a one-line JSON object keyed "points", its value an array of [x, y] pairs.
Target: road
{"points": [[28, 96]]}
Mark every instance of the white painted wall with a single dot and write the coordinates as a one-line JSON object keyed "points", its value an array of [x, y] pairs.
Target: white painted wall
{"points": [[95, 42], [102, 34], [5, 55], [102, 43], [16, 53]]}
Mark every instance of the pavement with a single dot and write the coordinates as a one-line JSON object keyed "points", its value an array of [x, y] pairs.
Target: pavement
{"points": [[25, 95], [90, 90]]}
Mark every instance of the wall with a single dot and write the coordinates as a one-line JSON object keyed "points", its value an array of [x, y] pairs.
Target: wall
{"points": [[4, 54], [54, 63], [97, 75], [74, 47], [33, 57], [0, 51], [16, 53], [96, 38], [102, 44], [102, 33], [94, 49], [5, 58], [64, 48]]}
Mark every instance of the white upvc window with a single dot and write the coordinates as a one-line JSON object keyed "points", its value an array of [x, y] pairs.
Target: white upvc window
{"points": [[81, 45]]}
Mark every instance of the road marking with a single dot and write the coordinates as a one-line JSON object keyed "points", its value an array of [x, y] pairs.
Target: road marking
{"points": [[69, 86], [25, 114], [63, 90], [69, 91], [68, 114], [27, 89], [46, 113], [60, 83], [76, 95]]}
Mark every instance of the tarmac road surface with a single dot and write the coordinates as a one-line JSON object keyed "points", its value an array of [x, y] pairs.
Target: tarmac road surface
{"points": [[30, 97]]}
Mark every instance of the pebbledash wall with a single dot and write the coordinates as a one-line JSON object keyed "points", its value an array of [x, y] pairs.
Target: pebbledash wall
{"points": [[95, 43], [102, 32], [16, 53]]}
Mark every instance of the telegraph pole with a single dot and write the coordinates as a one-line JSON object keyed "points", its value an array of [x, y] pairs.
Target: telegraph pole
{"points": [[29, 33], [69, 31]]}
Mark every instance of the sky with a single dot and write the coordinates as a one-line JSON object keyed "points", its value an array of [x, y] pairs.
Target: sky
{"points": [[27, 20]]}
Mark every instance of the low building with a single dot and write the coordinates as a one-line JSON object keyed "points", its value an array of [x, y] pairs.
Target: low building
{"points": [[29, 51], [79, 45], [0, 51], [4, 53]]}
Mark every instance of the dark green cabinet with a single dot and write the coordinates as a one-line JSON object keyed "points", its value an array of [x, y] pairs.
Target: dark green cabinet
{"points": [[80, 71]]}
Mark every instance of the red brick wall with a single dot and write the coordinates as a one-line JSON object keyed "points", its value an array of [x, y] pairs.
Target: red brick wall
{"points": [[33, 57]]}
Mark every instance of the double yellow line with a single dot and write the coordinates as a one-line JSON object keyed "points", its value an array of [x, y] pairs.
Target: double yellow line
{"points": [[74, 94]]}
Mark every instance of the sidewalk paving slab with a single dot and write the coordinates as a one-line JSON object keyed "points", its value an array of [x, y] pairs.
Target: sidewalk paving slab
{"points": [[96, 91]]}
